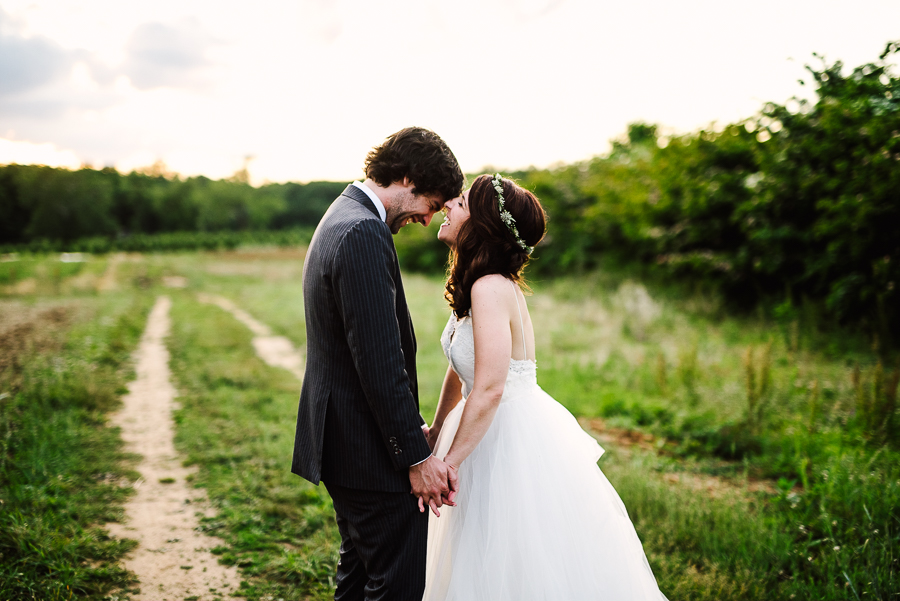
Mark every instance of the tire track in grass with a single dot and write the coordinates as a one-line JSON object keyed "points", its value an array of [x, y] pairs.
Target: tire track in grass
{"points": [[172, 559], [107, 281], [276, 351]]}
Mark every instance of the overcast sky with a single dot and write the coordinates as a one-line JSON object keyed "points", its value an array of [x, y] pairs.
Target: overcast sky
{"points": [[306, 87]]}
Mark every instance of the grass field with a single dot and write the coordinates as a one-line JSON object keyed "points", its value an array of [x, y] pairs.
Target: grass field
{"points": [[756, 456]]}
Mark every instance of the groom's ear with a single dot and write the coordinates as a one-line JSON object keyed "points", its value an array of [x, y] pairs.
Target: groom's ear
{"points": [[410, 185]]}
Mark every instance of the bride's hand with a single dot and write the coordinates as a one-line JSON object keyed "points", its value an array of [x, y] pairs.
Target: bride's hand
{"points": [[446, 499], [453, 481], [431, 435]]}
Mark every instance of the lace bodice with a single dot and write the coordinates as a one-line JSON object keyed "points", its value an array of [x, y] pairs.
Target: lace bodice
{"points": [[458, 342]]}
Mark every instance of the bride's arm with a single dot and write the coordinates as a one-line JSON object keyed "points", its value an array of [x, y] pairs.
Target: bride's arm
{"points": [[493, 346], [451, 394]]}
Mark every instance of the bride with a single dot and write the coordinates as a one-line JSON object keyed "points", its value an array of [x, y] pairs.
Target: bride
{"points": [[534, 517]]}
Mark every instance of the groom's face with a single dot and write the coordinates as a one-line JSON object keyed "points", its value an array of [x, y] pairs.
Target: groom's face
{"points": [[409, 208]]}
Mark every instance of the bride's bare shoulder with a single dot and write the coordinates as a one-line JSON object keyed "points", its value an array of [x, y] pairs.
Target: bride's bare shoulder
{"points": [[490, 288]]}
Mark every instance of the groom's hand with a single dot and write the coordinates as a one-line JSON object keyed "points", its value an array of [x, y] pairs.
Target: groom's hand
{"points": [[431, 482]]}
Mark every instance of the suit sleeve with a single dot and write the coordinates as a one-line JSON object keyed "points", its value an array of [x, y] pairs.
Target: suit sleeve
{"points": [[365, 293]]}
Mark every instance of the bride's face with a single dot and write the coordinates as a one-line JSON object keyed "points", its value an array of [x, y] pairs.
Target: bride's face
{"points": [[456, 212]]}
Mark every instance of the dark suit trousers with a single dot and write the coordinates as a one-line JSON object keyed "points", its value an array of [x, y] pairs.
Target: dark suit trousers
{"points": [[383, 544]]}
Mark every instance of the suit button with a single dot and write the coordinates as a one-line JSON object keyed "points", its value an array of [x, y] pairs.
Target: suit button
{"points": [[397, 451]]}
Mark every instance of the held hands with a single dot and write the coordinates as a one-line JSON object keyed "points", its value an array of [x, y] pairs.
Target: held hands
{"points": [[435, 483]]}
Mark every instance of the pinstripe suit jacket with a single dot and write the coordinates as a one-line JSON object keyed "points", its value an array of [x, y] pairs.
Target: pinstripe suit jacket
{"points": [[358, 424]]}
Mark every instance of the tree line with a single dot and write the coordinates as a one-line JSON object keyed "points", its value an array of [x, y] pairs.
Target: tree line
{"points": [[797, 206], [49, 208]]}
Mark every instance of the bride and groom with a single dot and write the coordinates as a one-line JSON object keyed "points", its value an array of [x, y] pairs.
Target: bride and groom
{"points": [[519, 508]]}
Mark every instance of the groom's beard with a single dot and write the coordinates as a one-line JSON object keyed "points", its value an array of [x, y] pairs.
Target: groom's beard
{"points": [[394, 224], [403, 207]]}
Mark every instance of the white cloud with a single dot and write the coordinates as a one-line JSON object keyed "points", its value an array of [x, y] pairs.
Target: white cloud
{"points": [[29, 153], [26, 62], [167, 55], [308, 86]]}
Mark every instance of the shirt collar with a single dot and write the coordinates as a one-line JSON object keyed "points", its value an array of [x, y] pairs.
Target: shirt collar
{"points": [[375, 200]]}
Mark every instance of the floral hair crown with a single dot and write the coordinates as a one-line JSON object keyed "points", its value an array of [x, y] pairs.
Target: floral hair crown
{"points": [[506, 216]]}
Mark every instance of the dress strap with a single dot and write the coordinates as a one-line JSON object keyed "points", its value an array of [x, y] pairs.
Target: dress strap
{"points": [[521, 322]]}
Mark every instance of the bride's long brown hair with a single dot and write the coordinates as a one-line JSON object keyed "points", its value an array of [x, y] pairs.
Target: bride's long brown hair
{"points": [[485, 245]]}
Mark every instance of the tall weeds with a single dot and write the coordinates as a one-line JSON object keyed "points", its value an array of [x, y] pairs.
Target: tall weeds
{"points": [[757, 379], [661, 374], [688, 371], [876, 402]]}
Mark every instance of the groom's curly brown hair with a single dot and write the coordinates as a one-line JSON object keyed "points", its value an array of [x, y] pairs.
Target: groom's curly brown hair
{"points": [[423, 157]]}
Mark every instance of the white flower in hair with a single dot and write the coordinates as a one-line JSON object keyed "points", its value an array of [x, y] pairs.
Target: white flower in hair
{"points": [[506, 216]]}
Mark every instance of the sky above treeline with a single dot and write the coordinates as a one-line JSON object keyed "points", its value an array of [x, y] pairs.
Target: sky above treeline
{"points": [[300, 90]]}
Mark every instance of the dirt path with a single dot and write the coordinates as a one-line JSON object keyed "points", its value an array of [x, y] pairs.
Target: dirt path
{"points": [[107, 281], [277, 351], [172, 560], [714, 486]]}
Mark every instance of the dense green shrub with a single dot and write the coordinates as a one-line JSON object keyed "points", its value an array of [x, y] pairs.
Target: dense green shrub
{"points": [[799, 205], [826, 219]]}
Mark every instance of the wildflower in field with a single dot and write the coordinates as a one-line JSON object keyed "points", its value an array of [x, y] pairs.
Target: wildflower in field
{"points": [[837, 548]]}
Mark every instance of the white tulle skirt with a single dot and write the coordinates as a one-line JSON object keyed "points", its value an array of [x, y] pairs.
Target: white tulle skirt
{"points": [[535, 519]]}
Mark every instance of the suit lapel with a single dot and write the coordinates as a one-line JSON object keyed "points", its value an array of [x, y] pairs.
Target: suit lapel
{"points": [[359, 196], [403, 315]]}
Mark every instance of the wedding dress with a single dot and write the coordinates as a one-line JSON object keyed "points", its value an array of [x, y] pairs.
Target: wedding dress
{"points": [[535, 518]]}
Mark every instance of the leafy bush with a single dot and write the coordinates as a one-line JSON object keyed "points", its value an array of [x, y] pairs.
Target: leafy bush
{"points": [[799, 203]]}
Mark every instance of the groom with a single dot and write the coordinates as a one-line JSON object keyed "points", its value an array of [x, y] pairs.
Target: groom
{"points": [[358, 425]]}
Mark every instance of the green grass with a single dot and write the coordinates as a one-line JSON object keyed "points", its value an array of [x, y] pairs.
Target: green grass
{"points": [[61, 467], [16, 269], [50, 272], [237, 425], [767, 475], [676, 369], [165, 242]]}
